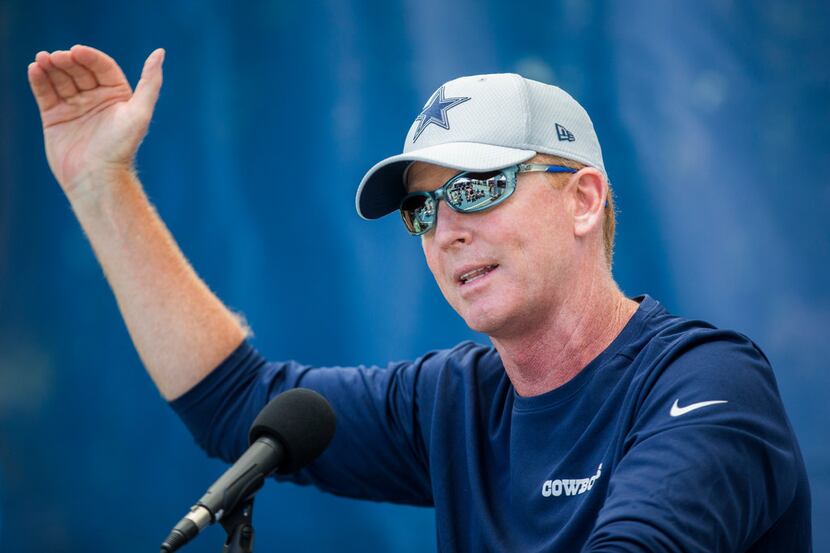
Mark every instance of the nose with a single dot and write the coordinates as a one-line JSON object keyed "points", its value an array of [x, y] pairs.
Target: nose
{"points": [[451, 228]]}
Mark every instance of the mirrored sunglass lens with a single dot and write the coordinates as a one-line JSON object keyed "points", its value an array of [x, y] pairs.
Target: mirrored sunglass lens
{"points": [[418, 213], [475, 191]]}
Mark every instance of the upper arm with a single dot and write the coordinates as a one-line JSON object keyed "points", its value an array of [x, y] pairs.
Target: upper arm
{"points": [[377, 451], [711, 479]]}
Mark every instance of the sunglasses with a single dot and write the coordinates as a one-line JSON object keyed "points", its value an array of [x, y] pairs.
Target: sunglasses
{"points": [[467, 192]]}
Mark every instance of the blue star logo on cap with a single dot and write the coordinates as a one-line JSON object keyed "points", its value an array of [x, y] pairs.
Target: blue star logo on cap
{"points": [[435, 112]]}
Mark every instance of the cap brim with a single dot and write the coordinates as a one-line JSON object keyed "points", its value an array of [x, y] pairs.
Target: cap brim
{"points": [[382, 188]]}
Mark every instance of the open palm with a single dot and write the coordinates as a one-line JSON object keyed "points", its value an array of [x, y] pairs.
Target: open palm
{"points": [[92, 119]]}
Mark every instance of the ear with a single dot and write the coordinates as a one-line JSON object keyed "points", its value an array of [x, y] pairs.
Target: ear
{"points": [[589, 194]]}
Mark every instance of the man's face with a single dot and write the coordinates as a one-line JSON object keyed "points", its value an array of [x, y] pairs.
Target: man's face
{"points": [[503, 270]]}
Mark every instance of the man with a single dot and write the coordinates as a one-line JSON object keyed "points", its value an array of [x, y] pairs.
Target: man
{"points": [[595, 423]]}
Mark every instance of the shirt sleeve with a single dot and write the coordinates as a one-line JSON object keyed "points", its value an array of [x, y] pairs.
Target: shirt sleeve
{"points": [[377, 451], [706, 479]]}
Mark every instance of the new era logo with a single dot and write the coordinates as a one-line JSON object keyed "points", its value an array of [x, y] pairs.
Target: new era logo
{"points": [[564, 134]]}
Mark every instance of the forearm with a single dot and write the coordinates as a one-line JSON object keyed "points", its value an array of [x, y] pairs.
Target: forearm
{"points": [[179, 327]]}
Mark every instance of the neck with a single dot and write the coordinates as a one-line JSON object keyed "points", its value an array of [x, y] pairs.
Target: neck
{"points": [[554, 352]]}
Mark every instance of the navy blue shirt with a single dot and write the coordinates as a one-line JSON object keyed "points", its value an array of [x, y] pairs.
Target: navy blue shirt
{"points": [[672, 439]]}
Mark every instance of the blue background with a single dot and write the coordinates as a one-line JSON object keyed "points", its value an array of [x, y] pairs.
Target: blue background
{"points": [[714, 118]]}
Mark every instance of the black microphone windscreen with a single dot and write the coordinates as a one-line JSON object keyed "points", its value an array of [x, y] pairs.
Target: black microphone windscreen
{"points": [[302, 421]]}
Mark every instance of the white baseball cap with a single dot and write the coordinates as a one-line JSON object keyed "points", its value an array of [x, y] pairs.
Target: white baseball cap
{"points": [[483, 123]]}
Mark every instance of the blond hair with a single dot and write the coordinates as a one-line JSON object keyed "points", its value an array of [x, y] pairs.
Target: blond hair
{"points": [[609, 222]]}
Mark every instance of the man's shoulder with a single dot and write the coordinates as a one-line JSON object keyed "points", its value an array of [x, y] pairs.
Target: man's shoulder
{"points": [[681, 362], [679, 355], [452, 371], [662, 336], [464, 357]]}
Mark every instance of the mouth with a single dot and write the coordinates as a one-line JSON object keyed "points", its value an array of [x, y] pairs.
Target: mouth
{"points": [[475, 274]]}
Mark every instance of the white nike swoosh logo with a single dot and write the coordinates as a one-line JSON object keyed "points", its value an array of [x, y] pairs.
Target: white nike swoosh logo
{"points": [[676, 410]]}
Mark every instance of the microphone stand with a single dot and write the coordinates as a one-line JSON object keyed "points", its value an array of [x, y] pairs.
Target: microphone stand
{"points": [[239, 526]]}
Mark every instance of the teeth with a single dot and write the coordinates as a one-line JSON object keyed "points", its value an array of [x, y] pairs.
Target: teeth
{"points": [[472, 275]]}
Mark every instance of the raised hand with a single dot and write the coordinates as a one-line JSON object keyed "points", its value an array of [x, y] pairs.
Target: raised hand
{"points": [[93, 122]]}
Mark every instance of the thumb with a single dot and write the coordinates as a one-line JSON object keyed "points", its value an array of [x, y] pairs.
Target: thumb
{"points": [[147, 90]]}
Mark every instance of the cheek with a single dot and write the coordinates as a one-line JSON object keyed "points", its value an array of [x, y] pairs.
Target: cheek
{"points": [[539, 241], [426, 247], [433, 260]]}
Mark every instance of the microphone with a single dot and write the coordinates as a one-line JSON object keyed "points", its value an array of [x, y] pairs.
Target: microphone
{"points": [[290, 432]]}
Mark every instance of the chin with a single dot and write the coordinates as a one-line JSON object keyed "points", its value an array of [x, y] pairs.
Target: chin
{"points": [[503, 317], [485, 321]]}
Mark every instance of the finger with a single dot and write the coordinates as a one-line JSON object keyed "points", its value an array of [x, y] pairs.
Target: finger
{"points": [[103, 67], [81, 76], [147, 89], [42, 88], [63, 83]]}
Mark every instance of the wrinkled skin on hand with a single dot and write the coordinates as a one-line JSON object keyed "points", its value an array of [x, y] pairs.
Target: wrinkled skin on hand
{"points": [[93, 121]]}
